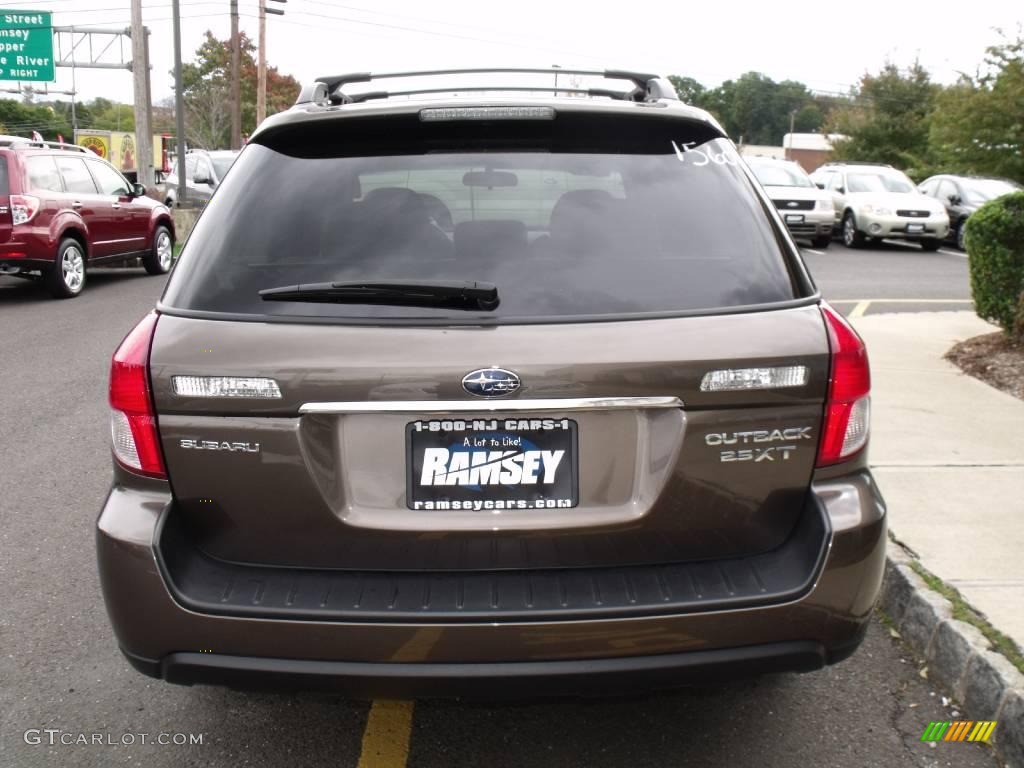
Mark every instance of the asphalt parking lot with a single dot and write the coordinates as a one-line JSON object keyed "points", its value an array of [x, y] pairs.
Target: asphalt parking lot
{"points": [[61, 668], [891, 277]]}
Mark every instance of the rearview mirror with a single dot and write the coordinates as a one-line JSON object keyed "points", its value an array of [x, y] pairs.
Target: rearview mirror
{"points": [[490, 179]]}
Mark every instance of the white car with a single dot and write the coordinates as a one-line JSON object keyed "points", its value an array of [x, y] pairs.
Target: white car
{"points": [[878, 201], [808, 211]]}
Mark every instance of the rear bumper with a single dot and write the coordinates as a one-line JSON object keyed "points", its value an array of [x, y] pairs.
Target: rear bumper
{"points": [[23, 256], [904, 228], [590, 677], [812, 223], [547, 654]]}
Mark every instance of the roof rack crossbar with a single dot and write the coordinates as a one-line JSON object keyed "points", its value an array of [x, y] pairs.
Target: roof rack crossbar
{"points": [[369, 95], [647, 87]]}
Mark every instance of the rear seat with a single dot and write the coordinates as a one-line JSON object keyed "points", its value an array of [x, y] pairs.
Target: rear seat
{"points": [[581, 220], [490, 241]]}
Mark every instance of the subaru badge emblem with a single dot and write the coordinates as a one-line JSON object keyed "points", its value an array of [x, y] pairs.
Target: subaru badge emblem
{"points": [[490, 382]]}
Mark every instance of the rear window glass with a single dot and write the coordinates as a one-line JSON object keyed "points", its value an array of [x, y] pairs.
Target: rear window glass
{"points": [[5, 188], [648, 221]]}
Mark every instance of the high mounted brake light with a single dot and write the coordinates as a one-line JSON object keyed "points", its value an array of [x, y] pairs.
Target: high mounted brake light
{"points": [[132, 416], [848, 408], [443, 114]]}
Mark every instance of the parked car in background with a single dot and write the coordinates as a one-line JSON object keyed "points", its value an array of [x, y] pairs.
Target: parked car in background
{"points": [[808, 211], [64, 210], [204, 171], [873, 202], [600, 434], [963, 195]]}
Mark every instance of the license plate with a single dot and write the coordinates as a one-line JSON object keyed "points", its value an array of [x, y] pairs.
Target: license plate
{"points": [[489, 465], [915, 227], [794, 218]]}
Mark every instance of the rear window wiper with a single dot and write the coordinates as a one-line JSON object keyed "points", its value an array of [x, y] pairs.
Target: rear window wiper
{"points": [[455, 294]]}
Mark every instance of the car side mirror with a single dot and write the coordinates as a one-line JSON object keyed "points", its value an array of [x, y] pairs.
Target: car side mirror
{"points": [[954, 200], [138, 190], [841, 190], [819, 184], [201, 179]]}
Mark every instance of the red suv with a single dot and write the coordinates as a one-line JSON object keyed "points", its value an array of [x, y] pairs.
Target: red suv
{"points": [[64, 210]]}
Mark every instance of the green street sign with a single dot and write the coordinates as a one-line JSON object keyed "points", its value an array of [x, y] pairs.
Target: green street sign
{"points": [[26, 46]]}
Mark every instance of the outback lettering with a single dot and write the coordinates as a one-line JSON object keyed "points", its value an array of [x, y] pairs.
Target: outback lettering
{"points": [[758, 436]]}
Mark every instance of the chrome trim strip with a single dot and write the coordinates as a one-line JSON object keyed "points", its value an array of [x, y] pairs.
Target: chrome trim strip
{"points": [[476, 406]]}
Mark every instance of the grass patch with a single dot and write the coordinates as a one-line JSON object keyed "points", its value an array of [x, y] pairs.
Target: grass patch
{"points": [[963, 612], [887, 622]]}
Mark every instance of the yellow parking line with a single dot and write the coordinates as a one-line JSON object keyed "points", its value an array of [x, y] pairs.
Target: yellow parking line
{"points": [[386, 736], [860, 309]]}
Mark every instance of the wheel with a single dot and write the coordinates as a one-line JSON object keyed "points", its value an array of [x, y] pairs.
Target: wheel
{"points": [[930, 244], [852, 237], [161, 255], [960, 232], [66, 278], [821, 241]]}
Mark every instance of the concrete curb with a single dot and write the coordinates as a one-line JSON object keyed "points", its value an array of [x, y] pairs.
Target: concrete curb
{"points": [[959, 657]]}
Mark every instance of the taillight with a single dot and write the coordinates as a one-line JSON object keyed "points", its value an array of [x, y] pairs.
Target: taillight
{"points": [[23, 208], [848, 408], [132, 417]]}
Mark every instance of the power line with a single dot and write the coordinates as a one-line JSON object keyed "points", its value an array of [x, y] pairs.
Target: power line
{"points": [[450, 35]]}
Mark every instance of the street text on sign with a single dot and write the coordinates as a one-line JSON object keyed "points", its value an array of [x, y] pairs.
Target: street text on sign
{"points": [[26, 45]]}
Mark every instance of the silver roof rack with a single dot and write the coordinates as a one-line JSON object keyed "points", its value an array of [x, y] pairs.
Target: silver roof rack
{"points": [[646, 87], [20, 142]]}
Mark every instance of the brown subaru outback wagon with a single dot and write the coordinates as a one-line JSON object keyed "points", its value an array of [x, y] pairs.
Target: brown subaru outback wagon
{"points": [[491, 393]]}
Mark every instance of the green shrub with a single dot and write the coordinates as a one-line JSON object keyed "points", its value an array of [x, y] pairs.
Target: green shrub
{"points": [[995, 245]]}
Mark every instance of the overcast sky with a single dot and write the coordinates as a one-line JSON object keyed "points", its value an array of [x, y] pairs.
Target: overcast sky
{"points": [[825, 44]]}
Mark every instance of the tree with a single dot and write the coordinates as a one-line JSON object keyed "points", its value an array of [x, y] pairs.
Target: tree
{"points": [[888, 119], [49, 118], [205, 86], [688, 89], [109, 115], [978, 125], [754, 108]]}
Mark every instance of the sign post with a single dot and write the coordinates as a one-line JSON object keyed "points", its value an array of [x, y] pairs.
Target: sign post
{"points": [[26, 46]]}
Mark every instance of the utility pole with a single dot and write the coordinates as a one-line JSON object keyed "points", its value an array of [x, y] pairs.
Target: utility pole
{"points": [[140, 75], [179, 106], [236, 85], [74, 112], [261, 70]]}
